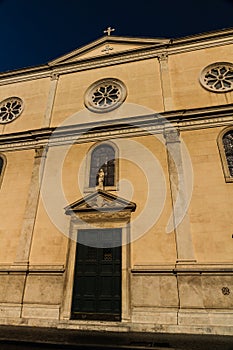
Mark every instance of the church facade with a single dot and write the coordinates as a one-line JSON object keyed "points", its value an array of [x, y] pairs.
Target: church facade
{"points": [[116, 175]]}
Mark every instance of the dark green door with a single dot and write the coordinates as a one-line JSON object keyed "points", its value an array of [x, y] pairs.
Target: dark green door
{"points": [[97, 279]]}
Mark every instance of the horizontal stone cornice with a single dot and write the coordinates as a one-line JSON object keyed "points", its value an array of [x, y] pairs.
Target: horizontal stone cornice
{"points": [[196, 268], [189, 119], [31, 268]]}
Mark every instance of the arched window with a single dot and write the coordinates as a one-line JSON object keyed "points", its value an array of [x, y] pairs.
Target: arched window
{"points": [[2, 166], [228, 148], [102, 157]]}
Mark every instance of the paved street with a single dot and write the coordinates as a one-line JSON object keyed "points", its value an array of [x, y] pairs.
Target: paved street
{"points": [[28, 338]]}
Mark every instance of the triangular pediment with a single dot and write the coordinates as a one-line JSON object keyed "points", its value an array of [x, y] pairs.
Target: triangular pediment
{"points": [[100, 201], [106, 46]]}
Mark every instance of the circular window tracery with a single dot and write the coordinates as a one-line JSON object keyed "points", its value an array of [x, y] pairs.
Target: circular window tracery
{"points": [[218, 77], [105, 95], [10, 109]]}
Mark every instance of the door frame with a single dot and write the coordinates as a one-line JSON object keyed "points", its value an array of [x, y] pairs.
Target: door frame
{"points": [[77, 313], [104, 220]]}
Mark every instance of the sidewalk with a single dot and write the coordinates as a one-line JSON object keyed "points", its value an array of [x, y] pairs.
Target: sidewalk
{"points": [[109, 340]]}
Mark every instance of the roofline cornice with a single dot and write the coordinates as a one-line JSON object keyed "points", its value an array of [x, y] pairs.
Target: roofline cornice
{"points": [[226, 32], [171, 47]]}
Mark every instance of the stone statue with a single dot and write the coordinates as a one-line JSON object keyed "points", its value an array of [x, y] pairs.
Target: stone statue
{"points": [[100, 179]]}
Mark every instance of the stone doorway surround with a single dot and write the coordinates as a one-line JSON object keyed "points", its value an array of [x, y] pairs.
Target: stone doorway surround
{"points": [[99, 209]]}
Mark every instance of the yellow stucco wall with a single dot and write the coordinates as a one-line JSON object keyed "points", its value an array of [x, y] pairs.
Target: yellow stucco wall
{"points": [[210, 208], [49, 239], [141, 78], [34, 94], [14, 194], [185, 69]]}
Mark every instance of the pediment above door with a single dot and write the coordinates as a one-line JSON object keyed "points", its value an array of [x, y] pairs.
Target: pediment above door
{"points": [[100, 201]]}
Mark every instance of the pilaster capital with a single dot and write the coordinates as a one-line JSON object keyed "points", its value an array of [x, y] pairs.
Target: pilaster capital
{"points": [[163, 56], [54, 76], [172, 135], [41, 151]]}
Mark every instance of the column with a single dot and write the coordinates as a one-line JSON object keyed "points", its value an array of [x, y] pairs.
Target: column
{"points": [[185, 251], [165, 81], [24, 246], [51, 98]]}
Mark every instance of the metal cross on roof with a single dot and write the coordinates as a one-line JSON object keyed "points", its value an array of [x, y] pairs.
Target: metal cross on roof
{"points": [[109, 30]]}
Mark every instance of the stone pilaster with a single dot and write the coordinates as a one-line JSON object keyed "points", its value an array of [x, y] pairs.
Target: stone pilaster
{"points": [[165, 81], [51, 98], [24, 246], [185, 251]]}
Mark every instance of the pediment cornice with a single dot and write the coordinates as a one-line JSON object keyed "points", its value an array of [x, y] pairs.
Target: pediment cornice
{"points": [[100, 201], [120, 43]]}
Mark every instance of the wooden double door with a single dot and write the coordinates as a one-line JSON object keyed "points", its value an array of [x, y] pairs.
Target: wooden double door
{"points": [[97, 277]]}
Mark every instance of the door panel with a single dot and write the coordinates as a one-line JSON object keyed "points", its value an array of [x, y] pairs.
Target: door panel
{"points": [[97, 280]]}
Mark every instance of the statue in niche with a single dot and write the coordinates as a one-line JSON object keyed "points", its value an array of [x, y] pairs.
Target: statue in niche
{"points": [[100, 179]]}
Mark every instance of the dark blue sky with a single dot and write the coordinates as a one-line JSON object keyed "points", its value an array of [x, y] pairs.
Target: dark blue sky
{"points": [[34, 32]]}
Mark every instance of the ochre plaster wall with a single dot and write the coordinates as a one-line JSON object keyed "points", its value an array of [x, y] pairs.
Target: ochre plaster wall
{"points": [[142, 80], [153, 245], [34, 94], [210, 208], [14, 194], [185, 69]]}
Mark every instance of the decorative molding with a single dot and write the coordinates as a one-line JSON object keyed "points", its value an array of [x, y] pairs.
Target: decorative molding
{"points": [[99, 217], [107, 49], [225, 291]]}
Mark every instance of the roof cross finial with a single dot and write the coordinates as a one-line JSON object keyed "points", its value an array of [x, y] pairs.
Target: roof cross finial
{"points": [[109, 30]]}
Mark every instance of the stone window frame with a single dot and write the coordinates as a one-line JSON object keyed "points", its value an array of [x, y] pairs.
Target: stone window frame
{"points": [[226, 172], [87, 187], [2, 170], [209, 67], [10, 99], [88, 101]]}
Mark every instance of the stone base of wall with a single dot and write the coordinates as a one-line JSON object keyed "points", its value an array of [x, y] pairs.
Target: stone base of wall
{"points": [[184, 321], [195, 299]]}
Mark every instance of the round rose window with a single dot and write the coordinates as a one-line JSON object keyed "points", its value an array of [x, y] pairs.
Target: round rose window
{"points": [[10, 109], [218, 77], [105, 95]]}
